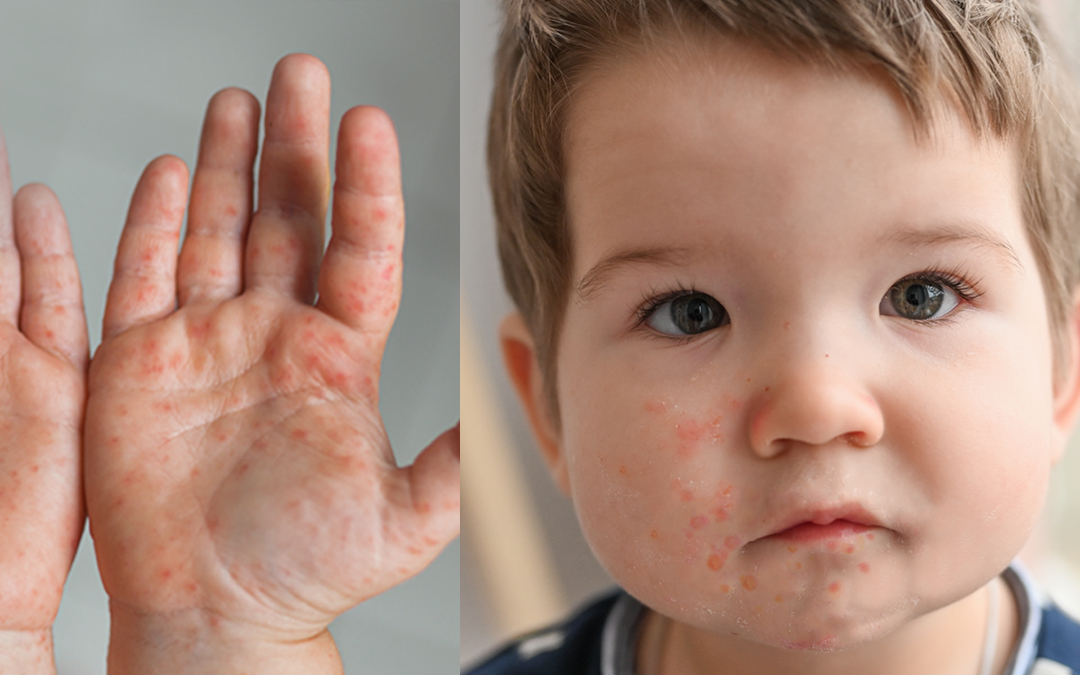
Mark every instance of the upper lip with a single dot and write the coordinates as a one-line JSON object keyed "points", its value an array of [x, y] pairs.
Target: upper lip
{"points": [[851, 512]]}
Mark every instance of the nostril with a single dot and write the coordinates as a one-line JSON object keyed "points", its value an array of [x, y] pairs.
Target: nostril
{"points": [[857, 439]]}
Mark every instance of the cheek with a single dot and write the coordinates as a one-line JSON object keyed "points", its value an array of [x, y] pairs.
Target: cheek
{"points": [[651, 479]]}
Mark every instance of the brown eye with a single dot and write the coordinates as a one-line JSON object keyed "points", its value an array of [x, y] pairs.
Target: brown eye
{"points": [[919, 299], [688, 314]]}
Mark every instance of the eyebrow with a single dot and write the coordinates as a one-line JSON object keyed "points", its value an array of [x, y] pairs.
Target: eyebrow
{"points": [[962, 234], [601, 272]]}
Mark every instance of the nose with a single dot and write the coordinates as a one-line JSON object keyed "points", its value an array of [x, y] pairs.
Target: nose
{"points": [[811, 404]]}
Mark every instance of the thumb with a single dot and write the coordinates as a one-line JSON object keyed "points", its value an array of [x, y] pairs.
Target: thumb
{"points": [[435, 483]]}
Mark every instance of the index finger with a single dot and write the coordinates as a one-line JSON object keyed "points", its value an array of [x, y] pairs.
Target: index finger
{"points": [[360, 279]]}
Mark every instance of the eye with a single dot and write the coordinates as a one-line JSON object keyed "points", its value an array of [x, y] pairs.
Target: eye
{"points": [[687, 314], [920, 298]]}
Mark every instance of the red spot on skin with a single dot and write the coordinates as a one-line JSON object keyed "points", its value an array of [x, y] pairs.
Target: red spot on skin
{"points": [[834, 587], [114, 440], [423, 507], [118, 502], [798, 566], [748, 581], [190, 587], [387, 272], [724, 588], [731, 542], [292, 504], [779, 598], [220, 437], [870, 536], [166, 573], [335, 340], [792, 548], [212, 524], [715, 562], [655, 406], [242, 469], [231, 211], [622, 470], [698, 522], [654, 534], [175, 360], [123, 411], [831, 545], [298, 434], [215, 621], [849, 549], [865, 567], [35, 468], [684, 494], [49, 334]]}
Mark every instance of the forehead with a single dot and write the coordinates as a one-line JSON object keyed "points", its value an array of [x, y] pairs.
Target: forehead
{"points": [[691, 138]]}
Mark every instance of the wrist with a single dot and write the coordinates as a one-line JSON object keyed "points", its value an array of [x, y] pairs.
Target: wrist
{"points": [[195, 641], [27, 651]]}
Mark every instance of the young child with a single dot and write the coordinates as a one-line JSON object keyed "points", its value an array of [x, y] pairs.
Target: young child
{"points": [[797, 326], [239, 484]]}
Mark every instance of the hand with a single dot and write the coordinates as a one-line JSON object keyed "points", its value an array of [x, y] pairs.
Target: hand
{"points": [[43, 357], [240, 485]]}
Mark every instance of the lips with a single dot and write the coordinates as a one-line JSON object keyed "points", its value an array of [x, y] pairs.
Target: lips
{"points": [[824, 523]]}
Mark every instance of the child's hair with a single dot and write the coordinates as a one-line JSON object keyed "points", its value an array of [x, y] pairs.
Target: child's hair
{"points": [[990, 58]]}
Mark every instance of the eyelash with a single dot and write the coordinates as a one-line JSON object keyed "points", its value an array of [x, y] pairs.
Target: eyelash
{"points": [[955, 278]]}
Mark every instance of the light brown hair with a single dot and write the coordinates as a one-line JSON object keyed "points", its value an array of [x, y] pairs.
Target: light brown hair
{"points": [[990, 58]]}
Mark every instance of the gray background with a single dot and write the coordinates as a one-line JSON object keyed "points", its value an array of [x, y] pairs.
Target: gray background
{"points": [[90, 91]]}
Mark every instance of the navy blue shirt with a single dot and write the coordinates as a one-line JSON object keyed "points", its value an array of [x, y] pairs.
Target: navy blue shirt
{"points": [[601, 639]]}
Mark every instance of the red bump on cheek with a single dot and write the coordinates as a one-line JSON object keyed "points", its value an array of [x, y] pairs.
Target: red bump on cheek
{"points": [[622, 470], [864, 567], [654, 534], [698, 522], [849, 549], [834, 587], [715, 562], [655, 407], [731, 542], [748, 581], [724, 588], [870, 536]]}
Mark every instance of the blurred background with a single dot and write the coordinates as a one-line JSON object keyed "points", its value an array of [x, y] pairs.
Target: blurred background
{"points": [[92, 90], [526, 563]]}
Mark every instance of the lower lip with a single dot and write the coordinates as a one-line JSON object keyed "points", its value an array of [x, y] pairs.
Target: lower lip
{"points": [[807, 532]]}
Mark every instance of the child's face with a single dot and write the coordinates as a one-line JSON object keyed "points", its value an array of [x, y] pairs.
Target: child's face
{"points": [[805, 375]]}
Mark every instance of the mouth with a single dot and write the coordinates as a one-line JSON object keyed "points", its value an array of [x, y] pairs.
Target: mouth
{"points": [[825, 524]]}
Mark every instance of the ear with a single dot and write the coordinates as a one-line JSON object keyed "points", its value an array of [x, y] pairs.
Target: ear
{"points": [[519, 355], [1067, 388]]}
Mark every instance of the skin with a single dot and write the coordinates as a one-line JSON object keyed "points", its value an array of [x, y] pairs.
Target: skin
{"points": [[796, 198], [240, 485], [43, 338]]}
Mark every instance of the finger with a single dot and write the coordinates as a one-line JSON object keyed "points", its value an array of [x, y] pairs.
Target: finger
{"points": [[10, 290], [286, 238], [360, 279], [433, 518], [52, 306], [144, 275], [212, 257]]}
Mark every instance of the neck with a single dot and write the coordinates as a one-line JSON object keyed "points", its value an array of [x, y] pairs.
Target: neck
{"points": [[947, 641]]}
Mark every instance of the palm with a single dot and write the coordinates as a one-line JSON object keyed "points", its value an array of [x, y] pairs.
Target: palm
{"points": [[238, 457], [43, 355]]}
